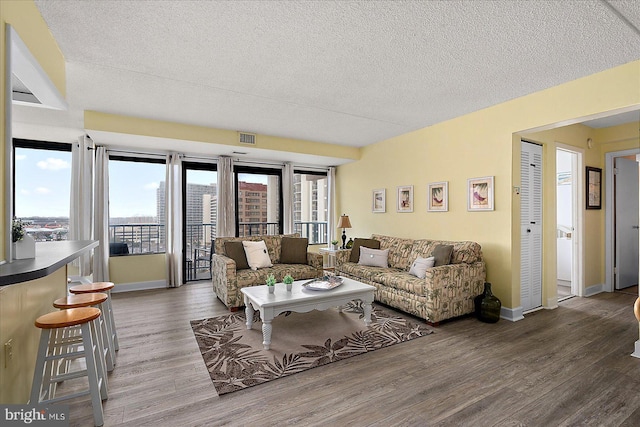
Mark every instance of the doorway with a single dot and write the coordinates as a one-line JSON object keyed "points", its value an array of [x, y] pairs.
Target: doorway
{"points": [[200, 207], [568, 222], [617, 221]]}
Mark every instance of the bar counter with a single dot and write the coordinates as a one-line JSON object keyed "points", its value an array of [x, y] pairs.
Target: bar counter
{"points": [[28, 288], [50, 256]]}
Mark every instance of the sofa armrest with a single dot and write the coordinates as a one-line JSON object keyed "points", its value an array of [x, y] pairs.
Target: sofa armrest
{"points": [[315, 260], [468, 279], [342, 256], [223, 277]]}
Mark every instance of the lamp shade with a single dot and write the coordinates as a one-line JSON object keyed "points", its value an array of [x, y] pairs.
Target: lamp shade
{"points": [[344, 222]]}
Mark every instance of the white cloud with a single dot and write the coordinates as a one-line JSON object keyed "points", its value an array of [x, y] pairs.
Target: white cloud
{"points": [[53, 164], [152, 186], [21, 157], [42, 190], [25, 192]]}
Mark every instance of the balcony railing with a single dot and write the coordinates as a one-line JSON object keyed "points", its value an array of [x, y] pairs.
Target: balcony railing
{"points": [[140, 238]]}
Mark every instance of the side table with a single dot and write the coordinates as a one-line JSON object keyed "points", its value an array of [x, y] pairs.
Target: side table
{"points": [[329, 259]]}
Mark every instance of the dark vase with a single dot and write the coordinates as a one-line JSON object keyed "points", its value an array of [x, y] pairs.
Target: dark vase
{"points": [[487, 305]]}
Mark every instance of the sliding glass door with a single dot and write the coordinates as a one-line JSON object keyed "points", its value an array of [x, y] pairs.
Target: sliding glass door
{"points": [[200, 208]]}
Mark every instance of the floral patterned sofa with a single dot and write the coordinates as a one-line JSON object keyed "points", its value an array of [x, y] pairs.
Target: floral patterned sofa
{"points": [[447, 291], [228, 280]]}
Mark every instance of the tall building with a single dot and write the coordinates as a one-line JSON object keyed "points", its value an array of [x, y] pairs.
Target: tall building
{"points": [[253, 209]]}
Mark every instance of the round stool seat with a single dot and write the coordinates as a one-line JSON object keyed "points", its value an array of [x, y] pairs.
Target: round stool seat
{"points": [[91, 287], [636, 309], [80, 300], [65, 318]]}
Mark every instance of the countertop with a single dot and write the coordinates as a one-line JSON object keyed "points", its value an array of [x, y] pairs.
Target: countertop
{"points": [[50, 256]]}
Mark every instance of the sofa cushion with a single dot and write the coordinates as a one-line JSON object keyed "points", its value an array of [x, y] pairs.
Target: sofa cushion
{"points": [[357, 243], [420, 265], [257, 254], [294, 250], [235, 251], [442, 254], [399, 250], [374, 257]]}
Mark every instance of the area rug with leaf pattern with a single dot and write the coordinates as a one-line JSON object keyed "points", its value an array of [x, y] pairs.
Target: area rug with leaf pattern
{"points": [[236, 359]]}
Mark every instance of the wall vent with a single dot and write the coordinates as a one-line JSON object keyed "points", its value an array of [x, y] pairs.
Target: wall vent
{"points": [[247, 138]]}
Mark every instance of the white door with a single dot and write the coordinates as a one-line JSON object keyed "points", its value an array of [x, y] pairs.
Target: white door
{"points": [[626, 217], [531, 226]]}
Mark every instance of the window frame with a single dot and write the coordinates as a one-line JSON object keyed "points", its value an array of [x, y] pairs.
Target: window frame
{"points": [[257, 170], [136, 159]]}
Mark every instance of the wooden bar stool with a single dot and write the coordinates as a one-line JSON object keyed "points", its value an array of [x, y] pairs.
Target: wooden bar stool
{"points": [[51, 324], [104, 287], [93, 300]]}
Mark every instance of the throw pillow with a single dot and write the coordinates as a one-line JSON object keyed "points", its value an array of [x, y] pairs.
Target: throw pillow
{"points": [[420, 265], [294, 250], [442, 254], [235, 251], [358, 243], [257, 254], [374, 257]]}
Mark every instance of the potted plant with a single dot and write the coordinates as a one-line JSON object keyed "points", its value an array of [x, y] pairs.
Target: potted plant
{"points": [[288, 280], [334, 244], [24, 246], [271, 283]]}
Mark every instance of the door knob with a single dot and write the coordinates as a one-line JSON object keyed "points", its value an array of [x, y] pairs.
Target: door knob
{"points": [[528, 230]]}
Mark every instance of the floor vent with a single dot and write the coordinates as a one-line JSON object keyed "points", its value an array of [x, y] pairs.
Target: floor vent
{"points": [[247, 138]]}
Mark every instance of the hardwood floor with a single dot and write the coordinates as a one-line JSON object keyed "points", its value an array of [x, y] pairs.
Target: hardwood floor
{"points": [[562, 367]]}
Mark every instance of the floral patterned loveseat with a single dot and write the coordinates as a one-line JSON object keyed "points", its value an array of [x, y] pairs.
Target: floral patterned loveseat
{"points": [[447, 291], [227, 280]]}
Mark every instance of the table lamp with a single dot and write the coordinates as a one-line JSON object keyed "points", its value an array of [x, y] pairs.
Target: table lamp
{"points": [[344, 223]]}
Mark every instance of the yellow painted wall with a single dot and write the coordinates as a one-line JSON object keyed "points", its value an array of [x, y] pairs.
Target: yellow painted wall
{"points": [[137, 268], [25, 18], [20, 306], [483, 143]]}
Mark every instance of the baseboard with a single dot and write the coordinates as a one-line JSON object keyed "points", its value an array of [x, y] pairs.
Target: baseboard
{"points": [[593, 290], [139, 286], [552, 303], [511, 314], [636, 353]]}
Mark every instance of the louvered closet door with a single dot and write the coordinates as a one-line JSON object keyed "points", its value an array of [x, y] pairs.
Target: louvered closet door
{"points": [[531, 226]]}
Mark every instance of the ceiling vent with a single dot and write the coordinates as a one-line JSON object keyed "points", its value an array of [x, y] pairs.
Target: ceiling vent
{"points": [[247, 138]]}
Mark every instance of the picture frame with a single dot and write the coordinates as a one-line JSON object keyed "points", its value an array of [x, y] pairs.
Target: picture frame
{"points": [[480, 194], [405, 198], [594, 188], [438, 196], [378, 200]]}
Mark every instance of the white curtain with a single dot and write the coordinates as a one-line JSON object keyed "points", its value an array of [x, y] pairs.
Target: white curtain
{"points": [[287, 199], [331, 205], [173, 220], [226, 199], [81, 212], [101, 216]]}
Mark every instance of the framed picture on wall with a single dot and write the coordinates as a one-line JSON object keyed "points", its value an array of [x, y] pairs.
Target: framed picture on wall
{"points": [[438, 196], [594, 189], [480, 194], [405, 198], [378, 202]]}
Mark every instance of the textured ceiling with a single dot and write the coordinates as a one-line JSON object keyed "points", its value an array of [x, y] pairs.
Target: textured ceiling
{"points": [[342, 72]]}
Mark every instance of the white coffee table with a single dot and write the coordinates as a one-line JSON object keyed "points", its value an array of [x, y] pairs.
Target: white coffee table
{"points": [[302, 300]]}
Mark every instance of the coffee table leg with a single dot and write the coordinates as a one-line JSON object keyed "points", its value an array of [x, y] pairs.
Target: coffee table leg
{"points": [[367, 312], [248, 312], [266, 334]]}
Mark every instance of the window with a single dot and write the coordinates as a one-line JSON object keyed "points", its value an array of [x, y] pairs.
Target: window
{"points": [[310, 205], [136, 205], [42, 187], [260, 210]]}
